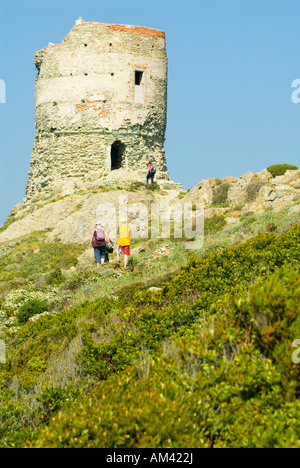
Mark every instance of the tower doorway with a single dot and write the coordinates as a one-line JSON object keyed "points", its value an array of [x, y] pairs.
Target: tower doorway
{"points": [[117, 152]]}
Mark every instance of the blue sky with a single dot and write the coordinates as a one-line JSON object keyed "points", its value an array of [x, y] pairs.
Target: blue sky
{"points": [[231, 68]]}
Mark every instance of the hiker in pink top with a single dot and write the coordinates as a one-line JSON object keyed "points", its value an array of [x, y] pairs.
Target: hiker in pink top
{"points": [[98, 240]]}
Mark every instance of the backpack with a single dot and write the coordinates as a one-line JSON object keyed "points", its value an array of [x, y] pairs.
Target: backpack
{"points": [[100, 234], [99, 237], [152, 170]]}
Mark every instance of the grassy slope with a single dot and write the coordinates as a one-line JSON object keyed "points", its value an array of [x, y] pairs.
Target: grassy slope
{"points": [[204, 362]]}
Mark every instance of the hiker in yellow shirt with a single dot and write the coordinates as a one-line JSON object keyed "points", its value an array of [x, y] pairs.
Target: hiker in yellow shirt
{"points": [[124, 236]]}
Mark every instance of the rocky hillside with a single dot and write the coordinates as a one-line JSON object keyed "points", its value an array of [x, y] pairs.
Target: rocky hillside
{"points": [[70, 215], [198, 340], [252, 192]]}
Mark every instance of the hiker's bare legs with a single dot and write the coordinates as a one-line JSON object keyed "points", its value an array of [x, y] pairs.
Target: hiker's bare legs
{"points": [[125, 261]]}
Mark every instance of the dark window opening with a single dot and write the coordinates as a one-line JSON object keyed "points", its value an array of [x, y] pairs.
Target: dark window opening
{"points": [[110, 44], [117, 151], [138, 77], [112, 74], [85, 45]]}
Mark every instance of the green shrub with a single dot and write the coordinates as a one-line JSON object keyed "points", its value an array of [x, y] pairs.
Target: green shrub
{"points": [[56, 277], [253, 189], [51, 399], [280, 169], [214, 224], [248, 218], [239, 207], [153, 187], [134, 186], [271, 227], [31, 308], [220, 195]]}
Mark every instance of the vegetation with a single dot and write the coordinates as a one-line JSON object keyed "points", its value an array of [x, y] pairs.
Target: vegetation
{"points": [[31, 308], [220, 195], [218, 363], [280, 169], [253, 189], [56, 277], [98, 358], [214, 224]]}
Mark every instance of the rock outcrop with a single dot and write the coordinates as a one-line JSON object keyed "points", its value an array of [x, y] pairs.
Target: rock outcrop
{"points": [[255, 193], [70, 215]]}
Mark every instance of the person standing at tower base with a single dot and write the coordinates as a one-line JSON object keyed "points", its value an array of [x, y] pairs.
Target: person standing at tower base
{"points": [[151, 173]]}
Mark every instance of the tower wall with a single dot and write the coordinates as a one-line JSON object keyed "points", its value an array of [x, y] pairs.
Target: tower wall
{"points": [[103, 84]]}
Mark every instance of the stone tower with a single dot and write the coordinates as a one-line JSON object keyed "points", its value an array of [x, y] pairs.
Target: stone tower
{"points": [[100, 105]]}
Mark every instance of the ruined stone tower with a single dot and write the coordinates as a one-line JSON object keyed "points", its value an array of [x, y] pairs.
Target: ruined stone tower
{"points": [[100, 105]]}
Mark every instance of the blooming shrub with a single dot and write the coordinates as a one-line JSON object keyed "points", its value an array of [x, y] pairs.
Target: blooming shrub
{"points": [[16, 300]]}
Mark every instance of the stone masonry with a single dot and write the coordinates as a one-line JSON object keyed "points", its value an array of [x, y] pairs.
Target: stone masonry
{"points": [[100, 105]]}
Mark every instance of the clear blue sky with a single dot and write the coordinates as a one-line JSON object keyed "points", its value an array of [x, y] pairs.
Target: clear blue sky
{"points": [[231, 66]]}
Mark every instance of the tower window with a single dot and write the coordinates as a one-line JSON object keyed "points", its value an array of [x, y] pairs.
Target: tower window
{"points": [[138, 77]]}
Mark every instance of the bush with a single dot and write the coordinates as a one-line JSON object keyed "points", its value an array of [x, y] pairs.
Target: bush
{"points": [[280, 169], [56, 277], [134, 186], [154, 187], [51, 400], [214, 224], [220, 195], [249, 217], [31, 308], [253, 189]]}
